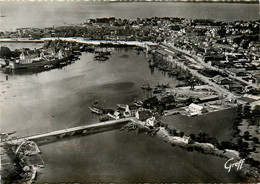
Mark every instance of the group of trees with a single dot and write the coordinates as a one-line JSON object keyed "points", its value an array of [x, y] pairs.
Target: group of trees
{"points": [[6, 53], [242, 146], [239, 145], [13, 171]]}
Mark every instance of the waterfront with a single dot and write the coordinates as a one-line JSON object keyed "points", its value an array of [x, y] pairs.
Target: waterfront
{"points": [[60, 98], [48, 95], [67, 13]]}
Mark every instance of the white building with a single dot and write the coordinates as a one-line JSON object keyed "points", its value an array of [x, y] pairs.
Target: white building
{"points": [[196, 109], [150, 121]]}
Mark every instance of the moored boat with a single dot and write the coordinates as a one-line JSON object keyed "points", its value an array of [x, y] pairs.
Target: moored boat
{"points": [[96, 110], [146, 87], [121, 106]]}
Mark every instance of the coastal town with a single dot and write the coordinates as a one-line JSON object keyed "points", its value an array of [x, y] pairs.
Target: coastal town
{"points": [[216, 62]]}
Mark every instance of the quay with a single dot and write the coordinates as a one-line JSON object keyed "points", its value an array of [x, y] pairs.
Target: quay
{"points": [[216, 87], [82, 41], [73, 131], [202, 63]]}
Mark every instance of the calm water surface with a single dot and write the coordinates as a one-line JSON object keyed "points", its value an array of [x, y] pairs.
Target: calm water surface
{"points": [[40, 102], [47, 14]]}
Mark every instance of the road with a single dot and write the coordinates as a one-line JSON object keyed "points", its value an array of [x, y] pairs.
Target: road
{"points": [[73, 130], [203, 78], [201, 62]]}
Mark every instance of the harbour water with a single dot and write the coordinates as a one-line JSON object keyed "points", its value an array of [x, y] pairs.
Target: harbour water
{"points": [[54, 13], [34, 103]]}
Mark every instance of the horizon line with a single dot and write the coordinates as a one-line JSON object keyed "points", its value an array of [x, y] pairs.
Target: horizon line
{"points": [[118, 1]]}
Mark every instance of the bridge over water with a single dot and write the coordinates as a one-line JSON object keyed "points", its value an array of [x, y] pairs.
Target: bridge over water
{"points": [[85, 129]]}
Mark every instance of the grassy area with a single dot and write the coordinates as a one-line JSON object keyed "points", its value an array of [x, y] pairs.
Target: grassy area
{"points": [[216, 124]]}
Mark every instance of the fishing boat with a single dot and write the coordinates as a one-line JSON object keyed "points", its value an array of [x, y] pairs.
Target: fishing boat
{"points": [[121, 106], [158, 90], [163, 85], [138, 104], [146, 87], [104, 117], [41, 63], [89, 49], [77, 53], [101, 57], [103, 52], [96, 102], [181, 77], [63, 63], [173, 73], [96, 110], [152, 64]]}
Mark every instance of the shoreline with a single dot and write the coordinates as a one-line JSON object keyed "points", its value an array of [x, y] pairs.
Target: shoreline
{"points": [[82, 41], [205, 148], [171, 1]]}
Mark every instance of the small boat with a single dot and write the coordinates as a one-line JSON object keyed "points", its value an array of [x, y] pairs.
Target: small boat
{"points": [[181, 78], [96, 102], [33, 177], [89, 49], [173, 73], [158, 90], [127, 114], [146, 87], [138, 104], [100, 58], [63, 63], [152, 64], [77, 53], [104, 117], [121, 106], [96, 110], [165, 85], [103, 52]]}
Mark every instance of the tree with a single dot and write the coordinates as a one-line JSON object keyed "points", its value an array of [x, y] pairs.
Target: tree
{"points": [[247, 111], [192, 137], [256, 111], [246, 135], [239, 141], [174, 132], [221, 32], [181, 134], [5, 52], [255, 140]]}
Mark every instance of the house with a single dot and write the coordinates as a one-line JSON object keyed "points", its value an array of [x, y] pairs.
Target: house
{"points": [[256, 77], [142, 115], [221, 80], [236, 72], [150, 122], [61, 54], [184, 139], [208, 98], [198, 109], [28, 57], [2, 62], [236, 87]]}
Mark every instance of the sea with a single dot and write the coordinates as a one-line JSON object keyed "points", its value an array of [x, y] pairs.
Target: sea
{"points": [[38, 102], [41, 14]]}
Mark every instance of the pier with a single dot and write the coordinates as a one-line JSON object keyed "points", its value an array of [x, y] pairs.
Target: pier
{"points": [[85, 129]]}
